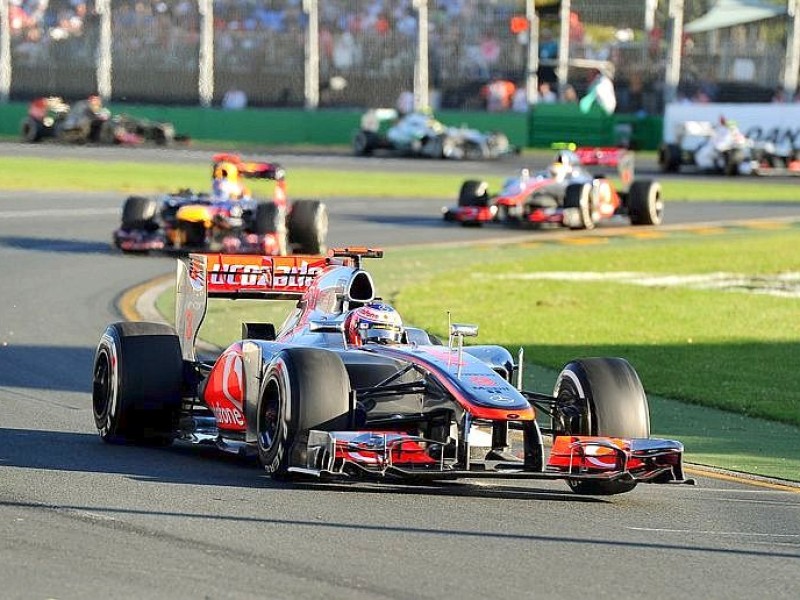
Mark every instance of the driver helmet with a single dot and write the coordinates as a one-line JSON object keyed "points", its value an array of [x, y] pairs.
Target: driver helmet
{"points": [[226, 181], [558, 170], [561, 166], [226, 170], [374, 322]]}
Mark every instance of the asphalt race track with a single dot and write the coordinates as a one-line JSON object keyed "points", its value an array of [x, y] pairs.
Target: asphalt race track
{"points": [[81, 519]]}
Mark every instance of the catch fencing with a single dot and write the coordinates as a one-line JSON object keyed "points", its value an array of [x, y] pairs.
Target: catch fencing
{"points": [[366, 53]]}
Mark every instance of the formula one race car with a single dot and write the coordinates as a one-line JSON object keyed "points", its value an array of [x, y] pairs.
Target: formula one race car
{"points": [[88, 121], [723, 148], [344, 390], [229, 219], [564, 194], [419, 134]]}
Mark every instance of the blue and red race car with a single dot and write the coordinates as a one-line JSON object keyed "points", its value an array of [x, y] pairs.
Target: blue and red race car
{"points": [[344, 390], [565, 193], [228, 219]]}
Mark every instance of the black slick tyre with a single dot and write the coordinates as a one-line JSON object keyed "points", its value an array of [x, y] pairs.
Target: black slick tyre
{"points": [[137, 383], [645, 206], [579, 196], [303, 389], [600, 397], [139, 212], [31, 130], [474, 193], [364, 142], [308, 226], [669, 158], [270, 218]]}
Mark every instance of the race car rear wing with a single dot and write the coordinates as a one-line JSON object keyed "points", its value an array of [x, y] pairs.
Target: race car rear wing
{"points": [[620, 159], [246, 276], [203, 276], [252, 169]]}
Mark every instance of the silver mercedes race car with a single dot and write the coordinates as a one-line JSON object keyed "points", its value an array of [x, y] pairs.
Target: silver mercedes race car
{"points": [[420, 134]]}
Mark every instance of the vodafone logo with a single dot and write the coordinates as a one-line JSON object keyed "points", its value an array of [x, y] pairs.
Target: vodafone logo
{"points": [[295, 276]]}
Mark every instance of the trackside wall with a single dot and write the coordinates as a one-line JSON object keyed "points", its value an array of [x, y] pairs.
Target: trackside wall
{"points": [[544, 125]]}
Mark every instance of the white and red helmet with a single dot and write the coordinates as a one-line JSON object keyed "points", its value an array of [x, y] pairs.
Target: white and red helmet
{"points": [[374, 322]]}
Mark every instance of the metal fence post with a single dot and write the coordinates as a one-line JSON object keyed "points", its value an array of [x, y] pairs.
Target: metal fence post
{"points": [[205, 79], [5, 52], [421, 85], [562, 70], [532, 79], [104, 65], [311, 62], [792, 64], [674, 48]]}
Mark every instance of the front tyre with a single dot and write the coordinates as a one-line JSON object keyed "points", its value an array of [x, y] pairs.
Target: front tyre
{"points": [[600, 397], [304, 389], [137, 383], [578, 197], [645, 206]]}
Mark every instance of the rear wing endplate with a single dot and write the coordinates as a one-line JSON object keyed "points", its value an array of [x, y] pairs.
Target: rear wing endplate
{"points": [[204, 276]]}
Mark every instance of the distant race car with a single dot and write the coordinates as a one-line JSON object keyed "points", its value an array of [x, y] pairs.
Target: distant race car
{"points": [[228, 219], [564, 194], [343, 390], [419, 134], [88, 122]]}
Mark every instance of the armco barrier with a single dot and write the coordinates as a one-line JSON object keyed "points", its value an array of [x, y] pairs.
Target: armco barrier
{"points": [[547, 124]]}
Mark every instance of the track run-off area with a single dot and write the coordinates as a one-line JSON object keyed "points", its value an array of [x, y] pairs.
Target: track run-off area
{"points": [[82, 519]]}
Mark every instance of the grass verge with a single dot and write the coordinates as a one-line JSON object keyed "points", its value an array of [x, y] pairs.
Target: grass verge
{"points": [[18, 173]]}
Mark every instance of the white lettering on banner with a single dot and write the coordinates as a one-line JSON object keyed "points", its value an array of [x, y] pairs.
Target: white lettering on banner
{"points": [[240, 275], [300, 276], [766, 122]]}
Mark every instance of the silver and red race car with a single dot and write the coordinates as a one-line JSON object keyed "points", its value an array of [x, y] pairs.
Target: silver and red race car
{"points": [[565, 194], [344, 391], [228, 219]]}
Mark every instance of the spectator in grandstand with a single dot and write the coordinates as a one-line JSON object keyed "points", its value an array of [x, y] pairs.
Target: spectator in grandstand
{"points": [[569, 96], [497, 94], [234, 99], [546, 93], [548, 50]]}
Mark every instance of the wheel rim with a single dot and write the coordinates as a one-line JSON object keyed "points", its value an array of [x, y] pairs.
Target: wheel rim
{"points": [[269, 416], [571, 415], [101, 396]]}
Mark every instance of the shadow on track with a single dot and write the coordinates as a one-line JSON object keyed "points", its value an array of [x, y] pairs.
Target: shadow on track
{"points": [[46, 367], [56, 245]]}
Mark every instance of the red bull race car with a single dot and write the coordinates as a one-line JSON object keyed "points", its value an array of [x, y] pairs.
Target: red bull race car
{"points": [[344, 390], [228, 219], [565, 194]]}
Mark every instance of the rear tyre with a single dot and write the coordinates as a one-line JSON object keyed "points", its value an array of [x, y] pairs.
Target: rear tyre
{"points": [[31, 130], [669, 158], [474, 193], [645, 206], [139, 212], [364, 143], [304, 389], [601, 397], [270, 219], [308, 226], [137, 383], [733, 159], [578, 197]]}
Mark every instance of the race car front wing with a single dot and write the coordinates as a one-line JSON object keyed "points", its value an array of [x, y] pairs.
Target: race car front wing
{"points": [[383, 455]]}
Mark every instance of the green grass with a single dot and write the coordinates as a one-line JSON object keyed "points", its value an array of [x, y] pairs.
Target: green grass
{"points": [[127, 177], [711, 349]]}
